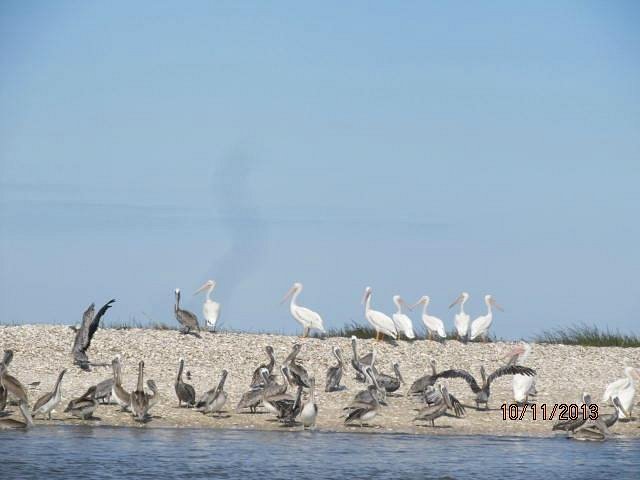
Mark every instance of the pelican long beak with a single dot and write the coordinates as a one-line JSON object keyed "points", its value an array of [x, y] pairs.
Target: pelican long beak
{"points": [[364, 297], [493, 302], [204, 287], [415, 304], [288, 294], [456, 301]]}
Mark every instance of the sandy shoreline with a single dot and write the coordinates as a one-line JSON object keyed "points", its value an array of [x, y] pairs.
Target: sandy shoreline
{"points": [[563, 373]]}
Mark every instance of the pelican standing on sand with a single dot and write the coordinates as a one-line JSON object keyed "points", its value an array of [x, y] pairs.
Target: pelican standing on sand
{"points": [[309, 411], [625, 390], [210, 309], [334, 373], [185, 392], [441, 401], [524, 386], [12, 386], [213, 400], [401, 321], [84, 406], [381, 322], [360, 363], [461, 320], [85, 333], [187, 319], [306, 317], [49, 401], [140, 400], [123, 398], [480, 326], [433, 324]]}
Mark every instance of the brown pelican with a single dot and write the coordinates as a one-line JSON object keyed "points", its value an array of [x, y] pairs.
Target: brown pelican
{"points": [[6, 360], [188, 320], [334, 374], [360, 363], [309, 411], [185, 392], [297, 373], [365, 396], [104, 390], [610, 419], [140, 400], [440, 400], [12, 423], [214, 399], [364, 411], [286, 408], [85, 333], [253, 397], [84, 406], [13, 387], [256, 380], [597, 431], [420, 385], [388, 382], [49, 401], [572, 425], [482, 393], [123, 398]]}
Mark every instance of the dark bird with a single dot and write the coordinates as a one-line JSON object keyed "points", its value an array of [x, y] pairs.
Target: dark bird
{"points": [[256, 380], [610, 419], [439, 401], [84, 406], [104, 390], [570, 425], [141, 401], [85, 334], [363, 411], [298, 375], [360, 363], [185, 392], [482, 393], [254, 397], [334, 373], [388, 382], [423, 383], [187, 319]]}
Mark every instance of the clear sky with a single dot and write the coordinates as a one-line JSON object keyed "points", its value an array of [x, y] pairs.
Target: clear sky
{"points": [[416, 147]]}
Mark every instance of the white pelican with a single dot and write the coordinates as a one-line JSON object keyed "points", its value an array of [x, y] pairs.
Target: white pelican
{"points": [[210, 309], [480, 326], [307, 318], [461, 320], [625, 390], [400, 320], [433, 324], [381, 322], [523, 385]]}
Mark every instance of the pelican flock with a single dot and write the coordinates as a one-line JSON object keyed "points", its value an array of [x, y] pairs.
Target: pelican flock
{"points": [[287, 390]]}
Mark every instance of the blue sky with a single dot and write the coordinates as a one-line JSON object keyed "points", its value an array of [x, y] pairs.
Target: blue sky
{"points": [[421, 148]]}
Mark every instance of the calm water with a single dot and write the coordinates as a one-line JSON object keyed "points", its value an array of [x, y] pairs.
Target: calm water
{"points": [[78, 452]]}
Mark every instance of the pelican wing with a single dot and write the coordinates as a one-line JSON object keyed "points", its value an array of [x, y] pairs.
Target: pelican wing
{"points": [[466, 376], [382, 323], [403, 324], [421, 384], [211, 313], [42, 401], [457, 406], [614, 388], [480, 325], [309, 318], [334, 375], [510, 370], [434, 324]]}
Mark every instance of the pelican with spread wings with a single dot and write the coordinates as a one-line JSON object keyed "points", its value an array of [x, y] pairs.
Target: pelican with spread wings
{"points": [[85, 333], [483, 392]]}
